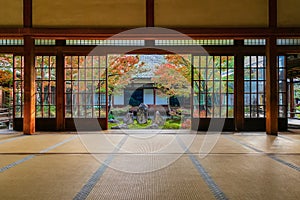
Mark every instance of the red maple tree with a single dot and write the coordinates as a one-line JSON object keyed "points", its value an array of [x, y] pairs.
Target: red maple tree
{"points": [[174, 77]]}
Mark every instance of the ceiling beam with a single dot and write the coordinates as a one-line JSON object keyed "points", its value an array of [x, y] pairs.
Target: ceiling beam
{"points": [[195, 33]]}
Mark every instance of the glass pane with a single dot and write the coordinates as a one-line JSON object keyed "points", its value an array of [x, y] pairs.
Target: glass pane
{"points": [[74, 62], [282, 86], [247, 86], [247, 99], [202, 99], [217, 85], [261, 61], [247, 62], [224, 86], [231, 99], [224, 99], [261, 86], [210, 74], [282, 98], [224, 112], [254, 99], [197, 75], [46, 111], [254, 86], [230, 62], [253, 62], [253, 111], [196, 62], [18, 111], [203, 74], [203, 63], [261, 74], [217, 112], [253, 74], [204, 84], [281, 74], [210, 62], [196, 87], [282, 111], [261, 99], [230, 86], [52, 111], [196, 112], [230, 111], [217, 99]]}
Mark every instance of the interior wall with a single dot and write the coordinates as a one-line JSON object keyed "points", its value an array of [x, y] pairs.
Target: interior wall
{"points": [[89, 13], [132, 13], [211, 13], [11, 14], [288, 13]]}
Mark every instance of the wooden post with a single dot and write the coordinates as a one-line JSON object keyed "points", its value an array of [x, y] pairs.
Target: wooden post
{"points": [[1, 97], [60, 88], [239, 88], [27, 13], [292, 98], [150, 13], [29, 86], [273, 13], [271, 88]]}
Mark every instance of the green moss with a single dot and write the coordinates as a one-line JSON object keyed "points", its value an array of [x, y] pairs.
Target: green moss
{"points": [[169, 124], [172, 124], [136, 125]]}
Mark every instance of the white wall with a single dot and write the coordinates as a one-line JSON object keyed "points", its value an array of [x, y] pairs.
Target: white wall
{"points": [[148, 96], [161, 100], [119, 98]]}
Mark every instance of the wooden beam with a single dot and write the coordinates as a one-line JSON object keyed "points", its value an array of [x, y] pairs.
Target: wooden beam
{"points": [[271, 88], [150, 13], [11, 32], [29, 86], [239, 87], [85, 50], [95, 33], [27, 13], [12, 49], [195, 33]]}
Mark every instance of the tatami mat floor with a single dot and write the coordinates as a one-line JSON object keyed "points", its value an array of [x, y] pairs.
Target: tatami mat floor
{"points": [[149, 166]]}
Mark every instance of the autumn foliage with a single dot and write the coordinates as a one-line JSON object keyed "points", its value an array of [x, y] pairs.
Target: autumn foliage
{"points": [[6, 76], [174, 77], [121, 71]]}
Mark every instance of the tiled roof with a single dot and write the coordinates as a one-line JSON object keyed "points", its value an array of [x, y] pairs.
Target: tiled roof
{"points": [[150, 64]]}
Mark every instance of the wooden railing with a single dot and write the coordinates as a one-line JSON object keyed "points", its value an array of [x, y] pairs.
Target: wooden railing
{"points": [[5, 116]]}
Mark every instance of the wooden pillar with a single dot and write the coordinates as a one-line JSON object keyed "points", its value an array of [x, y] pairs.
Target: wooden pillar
{"points": [[292, 98], [271, 88], [150, 13], [1, 97], [29, 86], [27, 13], [149, 20], [273, 13], [60, 88], [239, 88]]}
